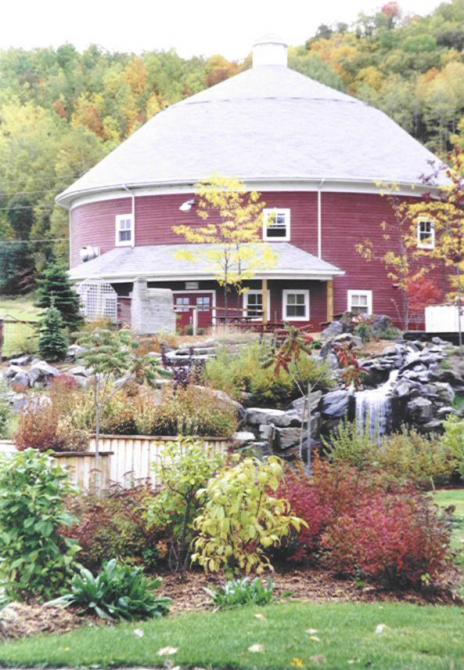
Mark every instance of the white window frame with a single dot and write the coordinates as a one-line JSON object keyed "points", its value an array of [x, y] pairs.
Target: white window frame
{"points": [[117, 222], [267, 213], [425, 245], [367, 293], [256, 292], [288, 291]]}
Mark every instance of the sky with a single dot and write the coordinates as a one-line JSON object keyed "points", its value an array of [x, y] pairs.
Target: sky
{"points": [[192, 27]]}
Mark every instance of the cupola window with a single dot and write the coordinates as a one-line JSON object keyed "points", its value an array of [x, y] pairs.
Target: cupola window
{"points": [[276, 224], [124, 230]]}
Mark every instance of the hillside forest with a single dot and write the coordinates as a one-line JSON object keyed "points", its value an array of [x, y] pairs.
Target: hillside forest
{"points": [[61, 110]]}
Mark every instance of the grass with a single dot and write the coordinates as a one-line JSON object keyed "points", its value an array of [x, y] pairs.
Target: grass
{"points": [[293, 635], [19, 338], [455, 497]]}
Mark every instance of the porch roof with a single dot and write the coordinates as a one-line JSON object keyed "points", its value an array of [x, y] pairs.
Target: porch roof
{"points": [[164, 262]]}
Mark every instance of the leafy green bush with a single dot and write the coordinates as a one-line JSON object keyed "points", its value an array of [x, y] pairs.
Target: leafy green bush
{"points": [[248, 372], [117, 592], [453, 441], [241, 518], [5, 416], [184, 469], [37, 561], [348, 444], [244, 591]]}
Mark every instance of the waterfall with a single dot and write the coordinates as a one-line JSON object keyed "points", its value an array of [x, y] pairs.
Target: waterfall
{"points": [[373, 408]]}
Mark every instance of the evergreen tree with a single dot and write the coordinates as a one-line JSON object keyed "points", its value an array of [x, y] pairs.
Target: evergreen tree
{"points": [[55, 290], [53, 343]]}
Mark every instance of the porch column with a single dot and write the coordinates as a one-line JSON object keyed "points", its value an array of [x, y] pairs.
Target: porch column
{"points": [[330, 300], [264, 289]]}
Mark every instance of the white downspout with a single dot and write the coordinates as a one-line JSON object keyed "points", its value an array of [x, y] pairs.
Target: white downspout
{"points": [[319, 219], [132, 195]]}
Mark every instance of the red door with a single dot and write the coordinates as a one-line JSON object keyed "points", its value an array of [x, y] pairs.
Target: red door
{"points": [[186, 303]]}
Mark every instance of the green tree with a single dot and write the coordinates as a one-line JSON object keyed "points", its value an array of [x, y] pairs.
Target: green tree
{"points": [[55, 289], [53, 343]]}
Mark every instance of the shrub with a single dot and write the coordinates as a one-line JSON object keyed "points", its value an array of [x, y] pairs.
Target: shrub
{"points": [[237, 592], [115, 527], [184, 469], [41, 427], [396, 538], [241, 519], [453, 441], [409, 457], [37, 561], [117, 592], [53, 342], [5, 417], [347, 444], [248, 372]]}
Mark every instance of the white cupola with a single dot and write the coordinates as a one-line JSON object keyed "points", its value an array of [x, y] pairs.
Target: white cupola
{"points": [[270, 50]]}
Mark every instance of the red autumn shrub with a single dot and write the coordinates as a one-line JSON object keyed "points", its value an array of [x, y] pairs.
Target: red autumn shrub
{"points": [[397, 538], [333, 490], [38, 428], [116, 527]]}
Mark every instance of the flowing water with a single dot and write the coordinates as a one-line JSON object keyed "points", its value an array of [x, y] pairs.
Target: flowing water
{"points": [[373, 408]]}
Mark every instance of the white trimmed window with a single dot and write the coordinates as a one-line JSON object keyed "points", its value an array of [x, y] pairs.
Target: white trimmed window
{"points": [[295, 305], [253, 304], [124, 230], [360, 302], [426, 234], [276, 224]]}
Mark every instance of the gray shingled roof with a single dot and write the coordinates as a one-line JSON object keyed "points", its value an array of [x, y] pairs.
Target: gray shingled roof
{"points": [[268, 123], [162, 262]]}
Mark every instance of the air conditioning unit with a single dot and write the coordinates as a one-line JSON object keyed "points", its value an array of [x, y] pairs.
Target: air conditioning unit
{"points": [[88, 253]]}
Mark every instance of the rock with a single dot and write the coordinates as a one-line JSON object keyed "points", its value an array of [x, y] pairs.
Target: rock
{"points": [[21, 379], [445, 392], [314, 400], [335, 404], [381, 325], [420, 410], [224, 398], [332, 330], [18, 401], [258, 416], [243, 437], [444, 412], [433, 426], [267, 431], [41, 371], [80, 371], [21, 360], [12, 371], [287, 437], [74, 352]]}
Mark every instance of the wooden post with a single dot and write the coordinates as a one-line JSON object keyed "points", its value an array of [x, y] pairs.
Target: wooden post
{"points": [[330, 301], [264, 289]]}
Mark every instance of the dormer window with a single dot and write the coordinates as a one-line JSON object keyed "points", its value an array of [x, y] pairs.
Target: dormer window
{"points": [[124, 230], [426, 234], [276, 225]]}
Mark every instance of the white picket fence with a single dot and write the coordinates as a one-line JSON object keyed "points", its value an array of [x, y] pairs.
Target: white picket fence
{"points": [[124, 460]]}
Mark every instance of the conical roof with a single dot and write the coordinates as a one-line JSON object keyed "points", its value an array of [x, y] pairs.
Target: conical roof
{"points": [[267, 124]]}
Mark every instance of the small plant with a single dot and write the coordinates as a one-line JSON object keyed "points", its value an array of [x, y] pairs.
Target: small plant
{"points": [[453, 440], [5, 414], [184, 469], [41, 427], [117, 592], [53, 342], [55, 290], [237, 592], [348, 444], [37, 561], [241, 519]]}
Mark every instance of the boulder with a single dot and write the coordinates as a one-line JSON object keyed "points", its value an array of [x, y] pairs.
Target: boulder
{"points": [[21, 378], [42, 372], [332, 330], [259, 416], [420, 410], [334, 404], [12, 371], [224, 398], [445, 392], [243, 437], [25, 359], [74, 352], [286, 437], [314, 400], [79, 371], [381, 325]]}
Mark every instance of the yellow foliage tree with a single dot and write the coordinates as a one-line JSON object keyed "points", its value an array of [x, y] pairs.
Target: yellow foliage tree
{"points": [[230, 240]]}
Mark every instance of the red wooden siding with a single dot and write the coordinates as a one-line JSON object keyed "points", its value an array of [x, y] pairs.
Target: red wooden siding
{"points": [[347, 219]]}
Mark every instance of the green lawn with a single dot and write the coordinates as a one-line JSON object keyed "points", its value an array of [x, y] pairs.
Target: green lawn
{"points": [[333, 636], [19, 338], [445, 498]]}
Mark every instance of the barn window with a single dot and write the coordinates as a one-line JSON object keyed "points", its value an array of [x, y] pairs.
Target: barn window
{"points": [[295, 305], [253, 304], [276, 224], [360, 302], [124, 230], [426, 234]]}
